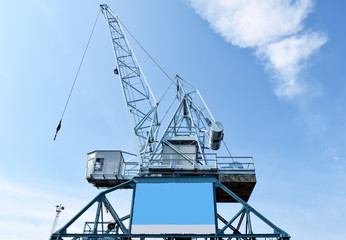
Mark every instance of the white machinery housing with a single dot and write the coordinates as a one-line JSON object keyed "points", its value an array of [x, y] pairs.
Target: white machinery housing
{"points": [[105, 164]]}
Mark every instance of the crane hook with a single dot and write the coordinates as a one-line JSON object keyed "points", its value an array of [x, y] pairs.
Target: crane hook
{"points": [[57, 130]]}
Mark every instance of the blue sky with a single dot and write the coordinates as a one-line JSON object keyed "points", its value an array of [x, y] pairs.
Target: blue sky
{"points": [[273, 74]]}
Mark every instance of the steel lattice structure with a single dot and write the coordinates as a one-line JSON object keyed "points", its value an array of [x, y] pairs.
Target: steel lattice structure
{"points": [[101, 230], [191, 118], [184, 153], [140, 101]]}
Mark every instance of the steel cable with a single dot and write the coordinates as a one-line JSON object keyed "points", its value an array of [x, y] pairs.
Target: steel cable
{"points": [[75, 79]]}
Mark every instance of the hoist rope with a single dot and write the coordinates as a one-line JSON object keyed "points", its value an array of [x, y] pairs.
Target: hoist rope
{"points": [[155, 62], [165, 92], [168, 110], [75, 78], [228, 150]]}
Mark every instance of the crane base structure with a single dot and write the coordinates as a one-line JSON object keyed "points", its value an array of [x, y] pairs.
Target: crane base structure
{"points": [[175, 208]]}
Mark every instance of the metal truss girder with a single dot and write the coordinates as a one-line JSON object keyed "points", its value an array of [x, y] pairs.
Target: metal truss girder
{"points": [[98, 198], [196, 133], [124, 56], [185, 118], [248, 208], [114, 214], [138, 91], [119, 45], [137, 100], [138, 113], [146, 117], [232, 220], [162, 137], [220, 233], [128, 76], [133, 68], [135, 88], [235, 230], [99, 207]]}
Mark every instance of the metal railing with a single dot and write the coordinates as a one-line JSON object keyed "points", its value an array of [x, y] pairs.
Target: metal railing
{"points": [[194, 163], [207, 160], [168, 162]]}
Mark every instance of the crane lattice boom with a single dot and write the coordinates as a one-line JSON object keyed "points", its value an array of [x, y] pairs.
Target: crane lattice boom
{"points": [[140, 101]]}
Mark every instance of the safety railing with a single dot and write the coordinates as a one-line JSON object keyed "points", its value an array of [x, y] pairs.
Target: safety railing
{"points": [[210, 160], [193, 163], [168, 162]]}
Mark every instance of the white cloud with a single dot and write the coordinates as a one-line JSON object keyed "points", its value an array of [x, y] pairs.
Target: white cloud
{"points": [[273, 28], [287, 57]]}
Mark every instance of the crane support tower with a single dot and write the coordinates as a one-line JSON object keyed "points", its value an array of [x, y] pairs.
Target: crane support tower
{"points": [[176, 173]]}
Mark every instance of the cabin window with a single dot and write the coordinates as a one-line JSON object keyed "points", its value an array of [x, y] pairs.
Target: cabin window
{"points": [[99, 163]]}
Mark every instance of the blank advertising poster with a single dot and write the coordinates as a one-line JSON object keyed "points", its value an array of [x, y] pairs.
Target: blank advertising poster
{"points": [[173, 208]]}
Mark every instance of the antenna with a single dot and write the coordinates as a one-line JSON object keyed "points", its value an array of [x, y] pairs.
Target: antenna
{"points": [[58, 210]]}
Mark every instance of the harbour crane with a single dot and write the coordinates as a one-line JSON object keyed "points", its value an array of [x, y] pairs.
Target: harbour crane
{"points": [[175, 173]]}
